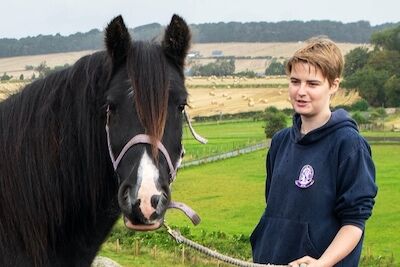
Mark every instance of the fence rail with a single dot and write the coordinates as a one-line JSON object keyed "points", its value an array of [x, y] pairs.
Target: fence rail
{"points": [[266, 144], [230, 154]]}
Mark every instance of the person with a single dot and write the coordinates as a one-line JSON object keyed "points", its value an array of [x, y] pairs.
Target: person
{"points": [[320, 185]]}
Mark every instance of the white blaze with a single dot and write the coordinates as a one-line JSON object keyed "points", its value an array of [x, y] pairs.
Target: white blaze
{"points": [[148, 174]]}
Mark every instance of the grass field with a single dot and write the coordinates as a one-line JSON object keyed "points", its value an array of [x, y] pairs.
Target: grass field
{"points": [[222, 137], [229, 196]]}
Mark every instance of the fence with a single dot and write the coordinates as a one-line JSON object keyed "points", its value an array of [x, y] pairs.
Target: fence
{"points": [[230, 154]]}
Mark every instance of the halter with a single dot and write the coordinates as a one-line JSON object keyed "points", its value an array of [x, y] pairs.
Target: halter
{"points": [[146, 139]]}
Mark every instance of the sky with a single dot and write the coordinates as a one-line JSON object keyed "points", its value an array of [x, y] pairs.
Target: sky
{"points": [[23, 18]]}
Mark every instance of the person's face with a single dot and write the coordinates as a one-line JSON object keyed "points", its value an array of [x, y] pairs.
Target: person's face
{"points": [[309, 90]]}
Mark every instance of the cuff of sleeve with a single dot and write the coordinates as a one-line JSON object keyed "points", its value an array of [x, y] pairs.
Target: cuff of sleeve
{"points": [[358, 223]]}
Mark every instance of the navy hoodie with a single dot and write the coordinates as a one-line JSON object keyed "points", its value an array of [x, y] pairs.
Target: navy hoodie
{"points": [[316, 184]]}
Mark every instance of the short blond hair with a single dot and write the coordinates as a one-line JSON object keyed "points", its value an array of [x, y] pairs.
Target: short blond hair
{"points": [[322, 53]]}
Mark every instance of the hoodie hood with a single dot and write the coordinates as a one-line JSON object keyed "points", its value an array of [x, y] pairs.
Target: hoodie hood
{"points": [[339, 119]]}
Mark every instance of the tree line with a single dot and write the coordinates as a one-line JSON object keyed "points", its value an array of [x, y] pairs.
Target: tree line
{"points": [[376, 73], [285, 31]]}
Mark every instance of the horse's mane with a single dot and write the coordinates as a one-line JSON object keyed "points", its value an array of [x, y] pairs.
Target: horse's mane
{"points": [[151, 84], [54, 176], [50, 132]]}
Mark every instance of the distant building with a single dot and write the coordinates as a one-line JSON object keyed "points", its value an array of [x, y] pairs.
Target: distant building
{"points": [[193, 54], [217, 53]]}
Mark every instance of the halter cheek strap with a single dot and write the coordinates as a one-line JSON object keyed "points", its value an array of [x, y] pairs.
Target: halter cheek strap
{"points": [[146, 139]]}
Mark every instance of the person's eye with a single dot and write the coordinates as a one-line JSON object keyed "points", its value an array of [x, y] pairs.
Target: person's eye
{"points": [[294, 81]]}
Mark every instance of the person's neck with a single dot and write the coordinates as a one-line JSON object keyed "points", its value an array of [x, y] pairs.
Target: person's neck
{"points": [[310, 123]]}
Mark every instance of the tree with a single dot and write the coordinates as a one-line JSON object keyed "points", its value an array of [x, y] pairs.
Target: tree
{"points": [[376, 79], [392, 88], [6, 77], [354, 60], [43, 69], [370, 85], [388, 60], [388, 39], [221, 67], [275, 120], [21, 77], [275, 68]]}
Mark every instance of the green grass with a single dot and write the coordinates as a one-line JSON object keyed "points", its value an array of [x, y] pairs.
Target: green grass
{"points": [[380, 134], [383, 229], [229, 197], [222, 137]]}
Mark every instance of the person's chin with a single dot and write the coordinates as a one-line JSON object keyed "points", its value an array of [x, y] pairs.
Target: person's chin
{"points": [[302, 110]]}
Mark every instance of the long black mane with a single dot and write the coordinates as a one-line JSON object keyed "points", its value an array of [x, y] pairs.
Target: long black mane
{"points": [[52, 156]]}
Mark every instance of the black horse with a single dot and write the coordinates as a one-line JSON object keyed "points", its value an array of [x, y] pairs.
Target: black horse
{"points": [[60, 193]]}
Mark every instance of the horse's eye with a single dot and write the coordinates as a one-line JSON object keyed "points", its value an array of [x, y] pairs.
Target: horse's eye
{"points": [[181, 107], [111, 107]]}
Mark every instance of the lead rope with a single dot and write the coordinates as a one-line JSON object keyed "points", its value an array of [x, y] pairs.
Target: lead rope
{"points": [[214, 254]]}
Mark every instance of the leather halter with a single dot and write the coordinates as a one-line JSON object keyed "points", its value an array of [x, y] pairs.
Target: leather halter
{"points": [[146, 139]]}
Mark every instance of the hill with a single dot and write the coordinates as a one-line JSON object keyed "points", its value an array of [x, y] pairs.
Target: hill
{"points": [[16, 66], [285, 31]]}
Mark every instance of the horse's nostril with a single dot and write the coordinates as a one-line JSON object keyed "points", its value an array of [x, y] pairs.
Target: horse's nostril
{"points": [[125, 196], [155, 199], [159, 203], [125, 199]]}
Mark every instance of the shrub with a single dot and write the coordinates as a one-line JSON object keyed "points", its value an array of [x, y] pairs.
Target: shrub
{"points": [[360, 105], [359, 118], [275, 120]]}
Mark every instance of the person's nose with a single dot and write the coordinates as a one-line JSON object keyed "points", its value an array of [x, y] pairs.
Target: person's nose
{"points": [[302, 90]]}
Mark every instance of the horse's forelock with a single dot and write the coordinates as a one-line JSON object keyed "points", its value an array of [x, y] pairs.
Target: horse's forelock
{"points": [[147, 68]]}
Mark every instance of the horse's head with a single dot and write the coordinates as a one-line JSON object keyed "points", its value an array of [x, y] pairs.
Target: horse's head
{"points": [[145, 101]]}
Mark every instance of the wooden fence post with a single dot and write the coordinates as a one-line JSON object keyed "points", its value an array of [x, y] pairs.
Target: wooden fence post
{"points": [[155, 251], [183, 254], [137, 247], [117, 246]]}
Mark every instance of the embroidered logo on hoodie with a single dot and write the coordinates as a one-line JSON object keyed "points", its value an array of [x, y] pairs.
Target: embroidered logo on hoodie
{"points": [[306, 177]]}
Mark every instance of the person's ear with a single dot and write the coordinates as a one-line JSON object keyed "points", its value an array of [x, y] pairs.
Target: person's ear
{"points": [[334, 86]]}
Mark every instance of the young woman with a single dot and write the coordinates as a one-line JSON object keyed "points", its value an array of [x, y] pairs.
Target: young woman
{"points": [[320, 185]]}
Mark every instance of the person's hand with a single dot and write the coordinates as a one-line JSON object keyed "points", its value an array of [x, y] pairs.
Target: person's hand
{"points": [[306, 261]]}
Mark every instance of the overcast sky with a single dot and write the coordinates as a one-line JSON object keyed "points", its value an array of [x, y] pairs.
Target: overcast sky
{"points": [[22, 18]]}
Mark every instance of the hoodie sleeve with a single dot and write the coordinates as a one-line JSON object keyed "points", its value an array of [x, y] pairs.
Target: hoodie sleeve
{"points": [[356, 188], [270, 163]]}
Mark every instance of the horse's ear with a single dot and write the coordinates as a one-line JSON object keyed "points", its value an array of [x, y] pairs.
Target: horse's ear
{"points": [[176, 41], [118, 40]]}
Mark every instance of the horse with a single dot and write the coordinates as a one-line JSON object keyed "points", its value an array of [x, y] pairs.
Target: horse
{"points": [[86, 144]]}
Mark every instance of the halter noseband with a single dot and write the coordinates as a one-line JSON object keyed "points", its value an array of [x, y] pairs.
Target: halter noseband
{"points": [[146, 139]]}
